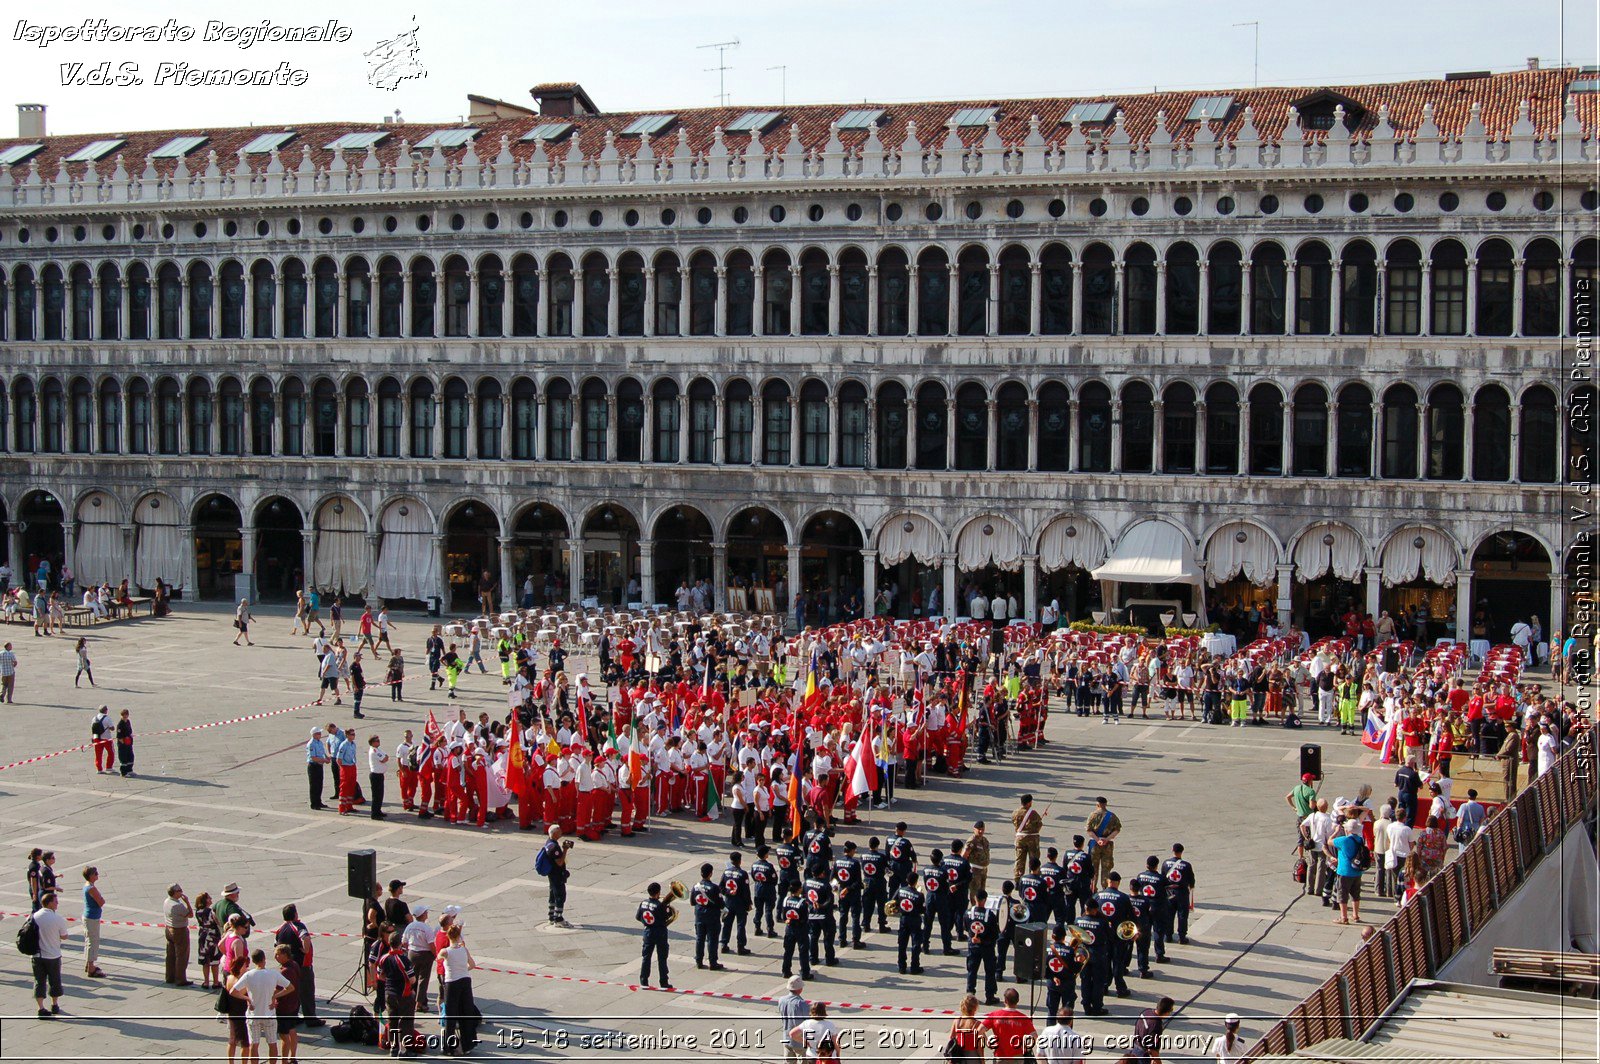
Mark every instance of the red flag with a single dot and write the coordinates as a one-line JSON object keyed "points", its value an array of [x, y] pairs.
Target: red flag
{"points": [[864, 773], [431, 730], [516, 760]]}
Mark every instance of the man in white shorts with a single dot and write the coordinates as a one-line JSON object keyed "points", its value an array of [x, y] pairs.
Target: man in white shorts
{"points": [[260, 987]]}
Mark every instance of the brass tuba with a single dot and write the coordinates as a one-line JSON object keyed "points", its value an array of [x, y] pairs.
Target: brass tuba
{"points": [[1128, 930], [1080, 936], [1019, 911], [890, 909], [678, 892]]}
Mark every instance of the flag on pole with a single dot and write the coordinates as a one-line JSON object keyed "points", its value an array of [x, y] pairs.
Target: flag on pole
{"points": [[796, 815], [431, 730], [813, 699], [516, 760], [864, 773]]}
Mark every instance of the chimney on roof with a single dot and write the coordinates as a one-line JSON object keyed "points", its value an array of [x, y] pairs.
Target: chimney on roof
{"points": [[563, 99], [1533, 62], [30, 120]]}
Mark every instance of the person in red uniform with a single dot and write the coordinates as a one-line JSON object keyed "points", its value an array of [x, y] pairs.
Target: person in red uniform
{"points": [[408, 758]]}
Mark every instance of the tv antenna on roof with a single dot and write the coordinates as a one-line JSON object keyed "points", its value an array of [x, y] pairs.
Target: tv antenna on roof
{"points": [[1257, 27], [721, 68], [783, 83]]}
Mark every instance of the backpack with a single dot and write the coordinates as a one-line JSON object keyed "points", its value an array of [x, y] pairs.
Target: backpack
{"points": [[1363, 856], [28, 938], [543, 863], [360, 1027]]}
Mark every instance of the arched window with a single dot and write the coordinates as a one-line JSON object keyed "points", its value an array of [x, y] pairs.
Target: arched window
{"points": [[1222, 429], [630, 294], [199, 416], [1183, 290], [524, 296], [82, 303], [1016, 292], [1178, 424], [666, 422], [53, 416], [1139, 290], [702, 294], [1581, 289], [1491, 434], [1266, 431], [1583, 437], [324, 298], [854, 292], [932, 427], [111, 296], [491, 296], [1354, 457], [294, 417], [1400, 433], [1313, 302], [264, 298], [776, 419], [1011, 417], [169, 296], [1055, 291], [1138, 428], [1536, 460], [422, 418], [233, 295], [324, 418], [1225, 279], [1403, 289], [779, 284], [81, 402], [262, 417], [814, 293], [1541, 289], [200, 296], [814, 423], [852, 425], [25, 297], [524, 419], [892, 427], [5, 310], [391, 297], [702, 421], [358, 299], [169, 417], [933, 293], [1267, 274], [894, 293], [424, 294], [230, 417], [294, 301], [55, 303], [1310, 435], [1449, 287], [1446, 425], [1495, 275], [596, 294], [593, 422], [558, 420], [457, 296], [140, 416], [358, 415], [25, 414], [491, 418], [1358, 294], [558, 271], [110, 417], [972, 427], [741, 298], [630, 421], [972, 303], [739, 414], [1094, 428], [391, 418], [457, 418], [1099, 291], [1055, 428]]}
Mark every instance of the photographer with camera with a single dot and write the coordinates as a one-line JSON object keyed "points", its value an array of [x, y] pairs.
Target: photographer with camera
{"points": [[551, 862]]}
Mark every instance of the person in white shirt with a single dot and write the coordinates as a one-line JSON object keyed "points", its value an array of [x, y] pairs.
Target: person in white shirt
{"points": [[260, 987], [377, 769], [47, 962], [818, 1036], [417, 938], [1060, 1044], [1549, 747], [980, 607], [1316, 829], [1228, 1047], [1401, 837]]}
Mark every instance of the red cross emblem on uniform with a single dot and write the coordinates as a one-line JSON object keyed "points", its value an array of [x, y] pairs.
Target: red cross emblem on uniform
{"points": [[1148, 890], [1029, 893], [906, 905], [1175, 875], [816, 847], [1076, 866], [844, 875], [784, 861], [811, 896], [1108, 909], [1057, 964], [649, 916], [977, 929], [791, 915], [933, 882]]}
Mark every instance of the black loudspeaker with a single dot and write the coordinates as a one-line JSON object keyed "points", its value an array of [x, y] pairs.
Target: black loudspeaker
{"points": [[1311, 760], [363, 873], [1391, 658], [1027, 949], [997, 638]]}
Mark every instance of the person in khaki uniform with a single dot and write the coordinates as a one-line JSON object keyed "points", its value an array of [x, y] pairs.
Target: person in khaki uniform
{"points": [[1104, 827], [977, 854], [1026, 822], [1511, 753]]}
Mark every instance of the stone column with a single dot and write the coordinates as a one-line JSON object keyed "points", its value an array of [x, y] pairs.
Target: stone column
{"points": [[1332, 436], [1466, 440], [1422, 441], [991, 305], [541, 310], [1119, 315], [16, 555], [1033, 435], [872, 300], [575, 569], [950, 432], [649, 301], [1074, 440], [1116, 435], [505, 303], [1161, 297], [1158, 455], [794, 301], [869, 438], [405, 305], [538, 426], [1284, 439], [793, 574], [1291, 296], [869, 582], [308, 555], [683, 301], [1035, 297], [1472, 297], [1285, 592], [1464, 605], [1336, 299], [613, 427], [949, 586], [758, 430], [277, 423], [833, 299], [1514, 469], [1203, 324], [472, 303], [125, 311], [913, 300], [184, 303], [719, 314], [438, 425], [1201, 437], [1425, 310], [758, 316], [1374, 590], [794, 430], [912, 431], [247, 561], [1375, 457], [1516, 297], [341, 306], [1244, 298], [647, 571], [832, 459], [1030, 587], [1557, 621], [439, 291], [442, 589], [508, 574], [647, 435], [374, 552], [1077, 298], [953, 301], [719, 443], [719, 576], [69, 550], [991, 435]]}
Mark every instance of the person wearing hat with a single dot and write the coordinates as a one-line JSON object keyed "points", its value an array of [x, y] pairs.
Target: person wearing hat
{"points": [[1228, 1047], [1115, 907], [793, 1010], [1026, 821], [1179, 876], [396, 910], [316, 759], [1301, 799], [418, 940], [229, 905]]}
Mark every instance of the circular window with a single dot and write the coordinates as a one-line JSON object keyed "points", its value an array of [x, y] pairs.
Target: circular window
{"points": [[294, 227], [390, 223], [491, 220], [703, 215], [934, 212], [1057, 208], [424, 223], [974, 211], [109, 232], [167, 231], [1543, 201], [1182, 206], [669, 216], [138, 232], [1140, 206], [1358, 202], [559, 219], [262, 228], [1313, 204], [358, 225], [1014, 209], [458, 222], [853, 212], [1495, 201], [1224, 204], [80, 233], [630, 218], [1097, 207], [325, 226], [1404, 202], [1449, 201], [814, 212], [740, 215], [777, 213], [525, 220], [50, 233], [22, 236], [893, 212], [1589, 200], [200, 231], [1269, 204]]}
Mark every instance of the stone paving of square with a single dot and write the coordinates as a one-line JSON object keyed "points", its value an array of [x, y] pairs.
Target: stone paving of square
{"points": [[229, 803]]}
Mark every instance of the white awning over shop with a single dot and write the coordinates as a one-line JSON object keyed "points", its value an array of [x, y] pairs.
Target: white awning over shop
{"points": [[1240, 548], [339, 559], [1424, 552], [989, 540], [408, 564], [909, 536], [98, 549], [1329, 547], [1151, 552], [159, 552], [1071, 542]]}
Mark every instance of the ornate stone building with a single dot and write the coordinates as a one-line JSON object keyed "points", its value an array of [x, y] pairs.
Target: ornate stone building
{"points": [[1305, 347]]}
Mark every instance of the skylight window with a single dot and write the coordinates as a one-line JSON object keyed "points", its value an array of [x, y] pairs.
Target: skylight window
{"points": [[447, 138], [754, 122], [1088, 113], [1209, 108], [358, 141], [1588, 80], [648, 125], [974, 116], [549, 131], [19, 153], [178, 147], [265, 143], [96, 150], [861, 118]]}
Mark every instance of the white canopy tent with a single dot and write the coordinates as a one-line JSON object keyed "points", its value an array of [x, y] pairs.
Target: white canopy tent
{"points": [[98, 549], [408, 564], [340, 557], [1151, 552], [159, 552]]}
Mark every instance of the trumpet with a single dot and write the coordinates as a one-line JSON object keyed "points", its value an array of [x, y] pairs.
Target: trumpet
{"points": [[1019, 911], [890, 909], [1080, 937], [1128, 930]]}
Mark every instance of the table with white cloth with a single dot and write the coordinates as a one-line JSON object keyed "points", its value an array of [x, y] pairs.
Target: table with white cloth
{"points": [[1478, 649], [1220, 644]]}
